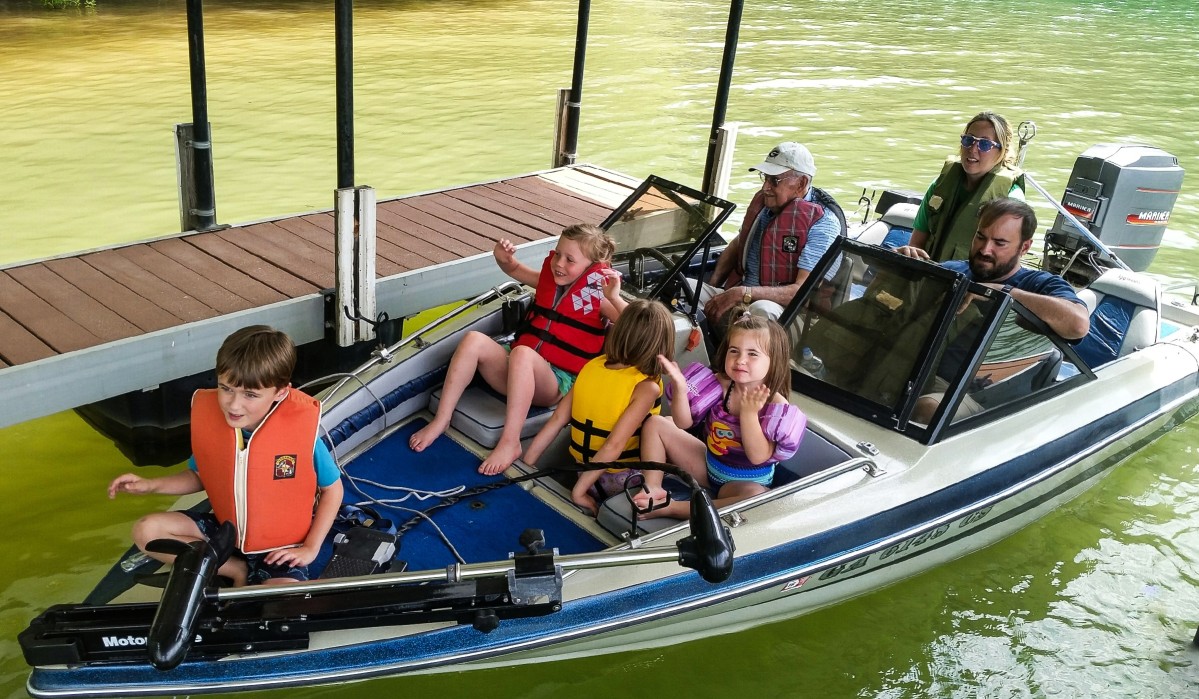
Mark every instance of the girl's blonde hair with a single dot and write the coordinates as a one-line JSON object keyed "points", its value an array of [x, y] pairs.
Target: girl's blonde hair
{"points": [[597, 245], [644, 330], [776, 343], [1003, 133]]}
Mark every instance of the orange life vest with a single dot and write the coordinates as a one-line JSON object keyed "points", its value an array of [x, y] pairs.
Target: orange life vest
{"points": [[267, 489], [570, 332]]}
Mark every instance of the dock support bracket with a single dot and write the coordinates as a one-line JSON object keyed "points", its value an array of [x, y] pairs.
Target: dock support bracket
{"points": [[354, 250], [726, 142]]}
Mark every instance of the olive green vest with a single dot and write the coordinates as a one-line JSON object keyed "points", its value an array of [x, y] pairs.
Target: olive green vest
{"points": [[953, 212]]}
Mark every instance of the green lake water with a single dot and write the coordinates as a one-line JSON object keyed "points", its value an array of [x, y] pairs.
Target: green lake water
{"points": [[1099, 599]]}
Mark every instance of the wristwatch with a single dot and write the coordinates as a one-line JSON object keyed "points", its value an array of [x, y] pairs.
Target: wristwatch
{"points": [[748, 298], [1007, 289]]}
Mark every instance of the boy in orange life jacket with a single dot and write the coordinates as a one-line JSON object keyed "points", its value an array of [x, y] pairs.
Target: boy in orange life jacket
{"points": [[577, 292], [255, 451]]}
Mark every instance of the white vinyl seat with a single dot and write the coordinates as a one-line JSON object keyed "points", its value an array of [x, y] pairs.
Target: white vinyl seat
{"points": [[480, 415]]}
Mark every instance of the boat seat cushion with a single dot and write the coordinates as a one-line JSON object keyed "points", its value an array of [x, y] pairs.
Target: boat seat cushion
{"points": [[480, 415], [1125, 316]]}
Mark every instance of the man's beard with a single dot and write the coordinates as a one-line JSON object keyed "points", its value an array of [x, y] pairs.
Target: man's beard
{"points": [[997, 271]]}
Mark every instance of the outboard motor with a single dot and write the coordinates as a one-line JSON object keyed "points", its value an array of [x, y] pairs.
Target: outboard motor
{"points": [[1124, 194]]}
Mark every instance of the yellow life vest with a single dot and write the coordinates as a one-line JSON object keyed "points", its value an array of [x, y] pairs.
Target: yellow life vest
{"points": [[601, 395]]}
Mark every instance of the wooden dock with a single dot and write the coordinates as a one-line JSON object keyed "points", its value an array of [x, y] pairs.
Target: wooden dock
{"points": [[81, 328]]}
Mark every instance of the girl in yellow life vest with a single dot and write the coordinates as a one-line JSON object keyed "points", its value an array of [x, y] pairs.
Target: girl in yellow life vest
{"points": [[612, 395]]}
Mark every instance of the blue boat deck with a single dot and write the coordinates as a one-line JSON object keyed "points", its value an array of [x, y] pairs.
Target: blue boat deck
{"points": [[81, 328]]}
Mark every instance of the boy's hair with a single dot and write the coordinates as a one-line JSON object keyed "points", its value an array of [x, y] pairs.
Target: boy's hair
{"points": [[597, 245], [644, 330], [777, 346], [257, 356]]}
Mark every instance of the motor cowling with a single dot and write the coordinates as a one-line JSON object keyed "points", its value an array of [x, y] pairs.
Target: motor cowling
{"points": [[1124, 194]]}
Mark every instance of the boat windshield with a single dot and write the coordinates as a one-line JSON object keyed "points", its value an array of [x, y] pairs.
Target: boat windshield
{"points": [[664, 231], [916, 347]]}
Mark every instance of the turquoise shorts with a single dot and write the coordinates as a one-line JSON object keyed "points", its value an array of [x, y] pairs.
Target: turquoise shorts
{"points": [[565, 379]]}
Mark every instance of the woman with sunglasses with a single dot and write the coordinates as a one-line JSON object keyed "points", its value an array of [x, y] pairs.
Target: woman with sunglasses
{"points": [[946, 220]]}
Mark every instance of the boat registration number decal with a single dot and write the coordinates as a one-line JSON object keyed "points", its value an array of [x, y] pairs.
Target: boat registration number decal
{"points": [[913, 542]]}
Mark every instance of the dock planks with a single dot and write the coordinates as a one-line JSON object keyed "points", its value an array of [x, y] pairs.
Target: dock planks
{"points": [[166, 303]]}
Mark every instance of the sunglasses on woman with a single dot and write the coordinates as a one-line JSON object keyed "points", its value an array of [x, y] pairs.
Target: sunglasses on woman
{"points": [[984, 144]]}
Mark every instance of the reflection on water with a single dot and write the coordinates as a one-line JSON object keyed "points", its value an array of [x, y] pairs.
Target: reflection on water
{"points": [[1097, 599]]}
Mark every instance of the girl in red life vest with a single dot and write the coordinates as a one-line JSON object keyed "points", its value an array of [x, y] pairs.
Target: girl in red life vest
{"points": [[612, 397], [577, 293]]}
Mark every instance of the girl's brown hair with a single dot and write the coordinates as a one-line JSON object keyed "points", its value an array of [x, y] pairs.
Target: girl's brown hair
{"points": [[644, 330], [257, 356], [776, 343], [597, 245]]}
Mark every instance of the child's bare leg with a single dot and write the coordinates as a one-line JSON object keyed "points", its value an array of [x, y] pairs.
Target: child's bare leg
{"points": [[530, 381], [681, 449], [581, 495], [474, 352], [180, 527], [736, 492]]}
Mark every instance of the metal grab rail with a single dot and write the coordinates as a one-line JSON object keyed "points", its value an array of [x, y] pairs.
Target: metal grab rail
{"points": [[454, 573], [384, 354]]}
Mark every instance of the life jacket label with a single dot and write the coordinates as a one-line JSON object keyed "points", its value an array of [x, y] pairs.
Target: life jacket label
{"points": [[285, 466]]}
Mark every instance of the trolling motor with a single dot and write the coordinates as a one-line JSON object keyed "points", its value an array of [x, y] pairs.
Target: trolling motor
{"points": [[196, 563], [709, 549], [196, 618]]}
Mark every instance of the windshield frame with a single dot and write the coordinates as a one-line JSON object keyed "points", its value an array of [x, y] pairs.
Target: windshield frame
{"points": [[957, 289]]}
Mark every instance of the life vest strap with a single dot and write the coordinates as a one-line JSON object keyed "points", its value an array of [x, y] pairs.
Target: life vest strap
{"points": [[545, 336], [556, 317]]}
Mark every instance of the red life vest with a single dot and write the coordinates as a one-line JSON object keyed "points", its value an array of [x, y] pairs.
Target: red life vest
{"points": [[570, 332], [781, 243], [266, 490]]}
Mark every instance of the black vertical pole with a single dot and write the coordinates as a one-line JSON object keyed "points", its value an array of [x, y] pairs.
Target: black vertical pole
{"points": [[344, 40], [722, 88], [574, 106], [204, 214]]}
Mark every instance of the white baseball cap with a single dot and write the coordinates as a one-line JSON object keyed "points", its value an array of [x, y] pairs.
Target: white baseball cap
{"points": [[788, 156]]}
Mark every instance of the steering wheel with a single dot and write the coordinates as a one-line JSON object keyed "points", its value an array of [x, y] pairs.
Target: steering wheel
{"points": [[637, 265]]}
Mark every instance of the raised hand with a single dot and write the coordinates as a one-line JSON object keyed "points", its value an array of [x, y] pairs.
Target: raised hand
{"points": [[611, 284], [752, 399], [671, 369], [505, 253]]}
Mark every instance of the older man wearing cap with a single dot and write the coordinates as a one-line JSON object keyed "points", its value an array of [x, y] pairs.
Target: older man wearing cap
{"points": [[788, 227]]}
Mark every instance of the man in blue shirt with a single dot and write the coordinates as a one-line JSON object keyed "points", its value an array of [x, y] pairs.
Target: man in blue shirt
{"points": [[1005, 230]]}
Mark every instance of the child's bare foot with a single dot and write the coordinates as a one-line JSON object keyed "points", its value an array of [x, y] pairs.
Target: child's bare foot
{"points": [[501, 458], [425, 436], [678, 509], [656, 497]]}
